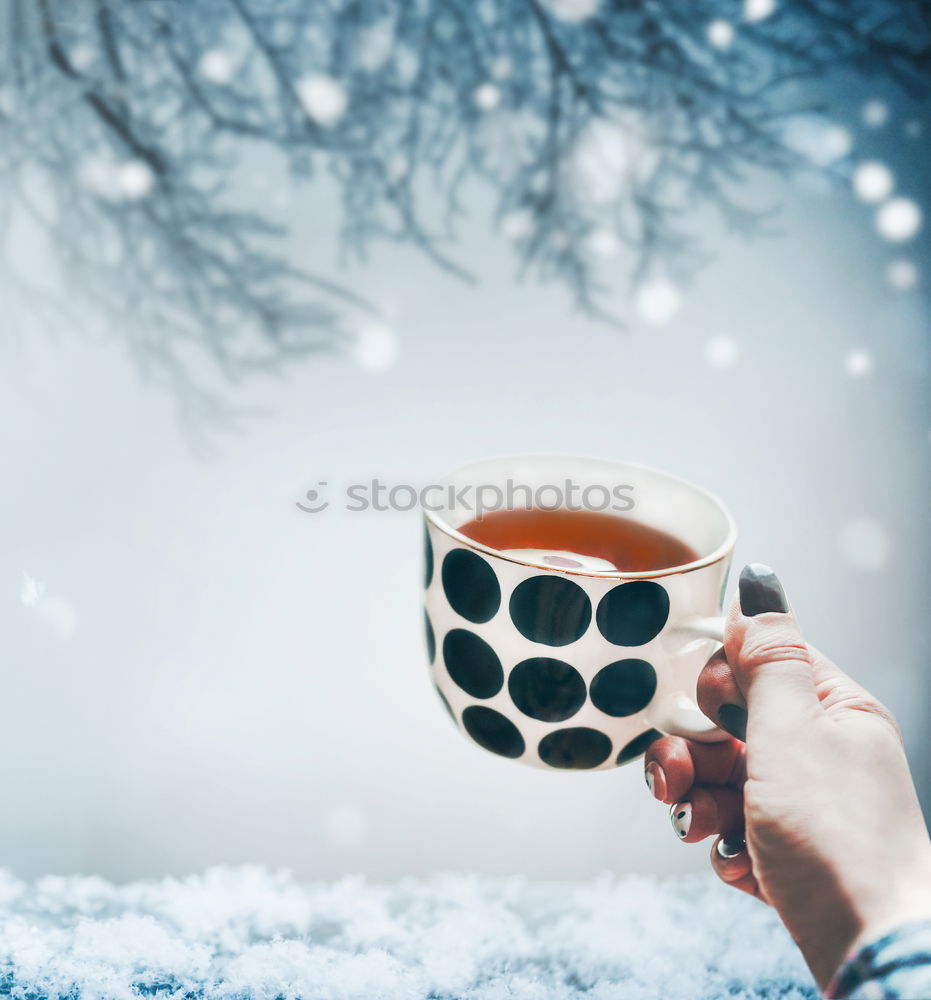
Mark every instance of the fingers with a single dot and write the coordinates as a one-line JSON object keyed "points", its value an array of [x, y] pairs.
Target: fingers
{"points": [[720, 698], [673, 765], [770, 661], [732, 865], [707, 811]]}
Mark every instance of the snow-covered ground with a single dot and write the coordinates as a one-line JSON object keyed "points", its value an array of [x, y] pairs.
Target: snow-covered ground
{"points": [[247, 932]]}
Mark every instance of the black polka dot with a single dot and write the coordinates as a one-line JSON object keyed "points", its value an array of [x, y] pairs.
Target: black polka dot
{"points": [[427, 558], [547, 689], [638, 745], [431, 638], [471, 585], [624, 687], [633, 613], [446, 704], [472, 663], [493, 731], [576, 748], [551, 610]]}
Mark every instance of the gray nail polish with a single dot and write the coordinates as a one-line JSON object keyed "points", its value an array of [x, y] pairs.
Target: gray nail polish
{"points": [[761, 591], [680, 815], [733, 719], [730, 846]]}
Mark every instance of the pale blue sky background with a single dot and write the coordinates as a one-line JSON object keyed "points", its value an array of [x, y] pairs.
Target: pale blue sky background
{"points": [[212, 676]]}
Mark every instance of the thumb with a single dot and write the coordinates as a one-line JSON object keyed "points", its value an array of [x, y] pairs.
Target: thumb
{"points": [[769, 658]]}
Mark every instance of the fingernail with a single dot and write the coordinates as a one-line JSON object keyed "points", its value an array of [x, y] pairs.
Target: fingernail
{"points": [[730, 846], [760, 591], [681, 818], [656, 780], [733, 718]]}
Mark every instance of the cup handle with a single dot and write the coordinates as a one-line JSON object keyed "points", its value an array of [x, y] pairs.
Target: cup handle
{"points": [[681, 716]]}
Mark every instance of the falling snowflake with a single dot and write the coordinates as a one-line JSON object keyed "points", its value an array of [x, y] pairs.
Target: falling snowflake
{"points": [[721, 352], [818, 141], [758, 10], [215, 66], [487, 97], [875, 113], [721, 34], [134, 179], [344, 826], [657, 301], [81, 57], [502, 68], [572, 11], [603, 243], [914, 129], [375, 347], [902, 274], [858, 363], [898, 220], [864, 544], [873, 182], [518, 225], [323, 98]]}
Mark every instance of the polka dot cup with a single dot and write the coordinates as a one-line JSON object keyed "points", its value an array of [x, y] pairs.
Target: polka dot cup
{"points": [[564, 667]]}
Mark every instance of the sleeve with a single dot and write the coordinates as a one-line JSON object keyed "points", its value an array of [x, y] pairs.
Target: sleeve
{"points": [[895, 967]]}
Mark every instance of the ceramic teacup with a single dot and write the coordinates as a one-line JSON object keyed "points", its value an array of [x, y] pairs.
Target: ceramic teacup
{"points": [[568, 666]]}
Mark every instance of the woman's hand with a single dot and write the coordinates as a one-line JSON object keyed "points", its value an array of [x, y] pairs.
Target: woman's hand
{"points": [[816, 812]]}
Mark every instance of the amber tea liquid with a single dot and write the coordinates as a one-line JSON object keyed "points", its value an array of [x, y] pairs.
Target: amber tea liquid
{"points": [[633, 547]]}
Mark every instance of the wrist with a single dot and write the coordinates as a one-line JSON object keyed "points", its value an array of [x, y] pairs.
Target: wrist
{"points": [[905, 897], [896, 964]]}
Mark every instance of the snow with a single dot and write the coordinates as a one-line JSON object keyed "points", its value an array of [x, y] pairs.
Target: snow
{"points": [[127, 181], [375, 347], [758, 10], [215, 66], [858, 363], [487, 97], [323, 98], [875, 113], [722, 352], [603, 243], [572, 11], [872, 182], [519, 224], [134, 179], [898, 220], [721, 34], [237, 933], [657, 301], [821, 142], [81, 57]]}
